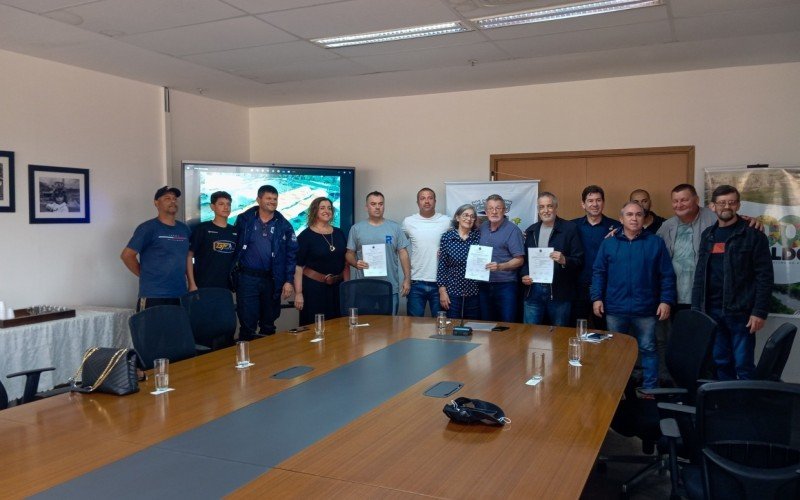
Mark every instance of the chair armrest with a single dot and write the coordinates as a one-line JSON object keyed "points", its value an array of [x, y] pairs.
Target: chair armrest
{"points": [[702, 381], [669, 428], [31, 372], [677, 409]]}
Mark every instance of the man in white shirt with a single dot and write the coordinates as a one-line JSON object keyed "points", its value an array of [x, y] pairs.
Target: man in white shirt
{"points": [[424, 230]]}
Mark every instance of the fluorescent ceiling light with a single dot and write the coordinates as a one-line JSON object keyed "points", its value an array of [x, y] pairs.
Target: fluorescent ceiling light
{"points": [[392, 35], [561, 12]]}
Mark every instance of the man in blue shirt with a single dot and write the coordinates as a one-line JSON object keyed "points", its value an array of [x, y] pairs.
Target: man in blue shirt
{"points": [[264, 264], [498, 297], [161, 245], [634, 285], [593, 228]]}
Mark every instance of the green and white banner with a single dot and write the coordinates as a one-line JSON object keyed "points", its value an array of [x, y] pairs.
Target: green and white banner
{"points": [[773, 196]]}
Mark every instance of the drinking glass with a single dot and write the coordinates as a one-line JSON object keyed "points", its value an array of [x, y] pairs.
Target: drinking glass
{"points": [[319, 326], [441, 322], [575, 351], [161, 373], [538, 365], [582, 329], [353, 316], [242, 354]]}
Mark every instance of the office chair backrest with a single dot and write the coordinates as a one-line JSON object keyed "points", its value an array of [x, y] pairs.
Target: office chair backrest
{"points": [[3, 397], [369, 295], [749, 432], [212, 316], [775, 354], [161, 332], [689, 353]]}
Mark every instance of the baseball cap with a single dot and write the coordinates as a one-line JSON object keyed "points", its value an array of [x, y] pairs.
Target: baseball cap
{"points": [[166, 189]]}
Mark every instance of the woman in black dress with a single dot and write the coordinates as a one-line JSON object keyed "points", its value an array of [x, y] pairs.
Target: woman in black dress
{"points": [[320, 264]]}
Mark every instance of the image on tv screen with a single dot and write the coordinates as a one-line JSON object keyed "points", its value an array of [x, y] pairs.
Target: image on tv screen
{"points": [[297, 187]]}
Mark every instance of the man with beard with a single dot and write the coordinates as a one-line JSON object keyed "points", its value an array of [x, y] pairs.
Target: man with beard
{"points": [[733, 284]]}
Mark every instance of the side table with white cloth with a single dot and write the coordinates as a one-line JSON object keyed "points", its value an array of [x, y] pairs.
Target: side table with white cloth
{"points": [[59, 343]]}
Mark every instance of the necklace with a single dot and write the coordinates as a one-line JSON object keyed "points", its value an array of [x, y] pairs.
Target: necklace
{"points": [[330, 243]]}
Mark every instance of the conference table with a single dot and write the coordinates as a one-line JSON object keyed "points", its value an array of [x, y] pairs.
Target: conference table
{"points": [[348, 418]]}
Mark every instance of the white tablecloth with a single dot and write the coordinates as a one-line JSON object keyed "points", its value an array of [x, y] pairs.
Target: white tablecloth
{"points": [[59, 343]]}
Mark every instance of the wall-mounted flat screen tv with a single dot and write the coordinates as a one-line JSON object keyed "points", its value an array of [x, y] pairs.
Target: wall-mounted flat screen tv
{"points": [[297, 186]]}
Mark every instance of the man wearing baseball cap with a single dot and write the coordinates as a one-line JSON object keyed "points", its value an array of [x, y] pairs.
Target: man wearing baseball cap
{"points": [[162, 245]]}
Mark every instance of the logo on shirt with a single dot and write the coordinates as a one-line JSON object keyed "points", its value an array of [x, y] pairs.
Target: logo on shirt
{"points": [[388, 239], [224, 246], [718, 247]]}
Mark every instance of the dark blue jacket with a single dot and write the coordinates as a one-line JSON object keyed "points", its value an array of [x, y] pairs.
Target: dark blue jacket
{"points": [[747, 272], [632, 277], [284, 246], [564, 239]]}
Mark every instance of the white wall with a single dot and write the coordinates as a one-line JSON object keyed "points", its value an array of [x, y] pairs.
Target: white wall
{"points": [[59, 115], [734, 116]]}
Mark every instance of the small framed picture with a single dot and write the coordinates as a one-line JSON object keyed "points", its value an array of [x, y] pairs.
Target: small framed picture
{"points": [[7, 181], [58, 195]]}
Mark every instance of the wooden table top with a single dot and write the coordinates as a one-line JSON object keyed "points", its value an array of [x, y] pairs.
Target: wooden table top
{"points": [[404, 448]]}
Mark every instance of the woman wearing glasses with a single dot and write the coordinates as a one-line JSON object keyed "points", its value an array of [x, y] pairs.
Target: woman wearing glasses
{"points": [[458, 295]]}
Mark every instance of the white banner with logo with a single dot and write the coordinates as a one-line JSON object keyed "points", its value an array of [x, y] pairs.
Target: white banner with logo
{"points": [[520, 198], [772, 195]]}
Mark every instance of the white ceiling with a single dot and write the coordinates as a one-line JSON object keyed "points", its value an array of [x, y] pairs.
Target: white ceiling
{"points": [[257, 52]]}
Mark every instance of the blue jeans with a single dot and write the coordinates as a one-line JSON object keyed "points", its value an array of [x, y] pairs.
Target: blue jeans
{"points": [[734, 346], [471, 307], [498, 301], [643, 328], [422, 293], [540, 304], [256, 306]]}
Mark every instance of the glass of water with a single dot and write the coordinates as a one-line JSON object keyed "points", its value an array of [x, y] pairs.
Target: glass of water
{"points": [[353, 318], [319, 327], [242, 354], [538, 365], [582, 329], [575, 351], [441, 322], [161, 373]]}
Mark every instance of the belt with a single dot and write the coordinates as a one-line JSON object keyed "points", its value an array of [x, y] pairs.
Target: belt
{"points": [[258, 273], [328, 279]]}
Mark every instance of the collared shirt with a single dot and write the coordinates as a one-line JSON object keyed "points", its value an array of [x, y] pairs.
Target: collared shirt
{"points": [[506, 242], [591, 237], [453, 253]]}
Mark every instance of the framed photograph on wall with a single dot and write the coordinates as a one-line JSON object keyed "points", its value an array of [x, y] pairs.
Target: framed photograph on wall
{"points": [[7, 181], [58, 195]]}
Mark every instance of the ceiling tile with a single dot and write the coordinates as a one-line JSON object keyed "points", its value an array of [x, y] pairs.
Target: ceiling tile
{"points": [[459, 55], [262, 6], [738, 23], [358, 16], [125, 17], [298, 71], [588, 41], [40, 6], [689, 8], [409, 45], [248, 60], [215, 36]]}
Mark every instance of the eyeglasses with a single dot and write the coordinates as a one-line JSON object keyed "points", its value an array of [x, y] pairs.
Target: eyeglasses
{"points": [[726, 203], [495, 209], [468, 216]]}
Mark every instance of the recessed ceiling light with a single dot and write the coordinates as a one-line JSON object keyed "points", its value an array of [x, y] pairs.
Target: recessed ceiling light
{"points": [[565, 11], [392, 35]]}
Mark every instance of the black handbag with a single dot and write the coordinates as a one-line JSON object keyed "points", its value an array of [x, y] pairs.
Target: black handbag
{"points": [[107, 369], [469, 411]]}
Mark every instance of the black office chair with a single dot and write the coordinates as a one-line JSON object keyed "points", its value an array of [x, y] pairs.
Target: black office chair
{"points": [[212, 316], [688, 358], [775, 354], [161, 332], [31, 387], [749, 441], [369, 295]]}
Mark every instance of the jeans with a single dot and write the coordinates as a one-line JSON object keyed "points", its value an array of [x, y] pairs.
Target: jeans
{"points": [[395, 303], [256, 306], [540, 304], [422, 293], [734, 346], [643, 328], [498, 301], [471, 308]]}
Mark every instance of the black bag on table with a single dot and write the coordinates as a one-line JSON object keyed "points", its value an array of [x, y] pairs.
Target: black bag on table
{"points": [[109, 370]]}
